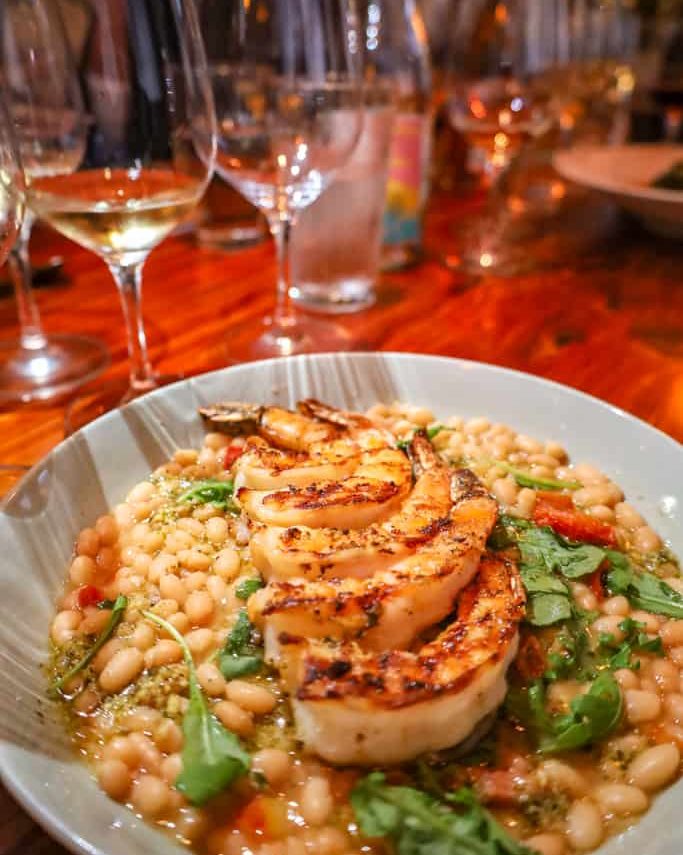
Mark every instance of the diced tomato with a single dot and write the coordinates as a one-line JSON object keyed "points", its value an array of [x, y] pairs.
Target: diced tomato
{"points": [[531, 660], [596, 584], [574, 524], [498, 787], [264, 817], [89, 595], [232, 452]]}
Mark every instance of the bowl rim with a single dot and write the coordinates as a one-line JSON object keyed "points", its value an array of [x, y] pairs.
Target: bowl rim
{"points": [[567, 163], [8, 499], [28, 798]]}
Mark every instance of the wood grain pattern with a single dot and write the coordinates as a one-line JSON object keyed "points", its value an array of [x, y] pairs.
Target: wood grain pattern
{"points": [[606, 318]]}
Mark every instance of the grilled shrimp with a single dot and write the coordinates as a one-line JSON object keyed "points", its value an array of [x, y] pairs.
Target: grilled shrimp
{"points": [[284, 428], [283, 553], [389, 609], [263, 467], [354, 706], [376, 489]]}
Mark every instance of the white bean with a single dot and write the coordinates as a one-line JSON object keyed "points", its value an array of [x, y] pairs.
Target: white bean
{"points": [[122, 669], [255, 699], [641, 706], [665, 675], [315, 801], [671, 633], [114, 778], [621, 799], [546, 844], [655, 767], [273, 764], [211, 679], [150, 796], [560, 776], [584, 825], [616, 606]]}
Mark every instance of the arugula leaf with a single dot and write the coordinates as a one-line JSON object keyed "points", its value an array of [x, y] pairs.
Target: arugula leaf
{"points": [[542, 545], [543, 554], [218, 493], [118, 608], [526, 479], [420, 824], [642, 589], [548, 597], [593, 715], [635, 640], [522, 478], [106, 604], [527, 705], [239, 655], [212, 756], [247, 587]]}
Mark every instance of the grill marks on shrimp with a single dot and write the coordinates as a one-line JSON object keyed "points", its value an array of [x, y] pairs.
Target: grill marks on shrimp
{"points": [[366, 549], [489, 610]]}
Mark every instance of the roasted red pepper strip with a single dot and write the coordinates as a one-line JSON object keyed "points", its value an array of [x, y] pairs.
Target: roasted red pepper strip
{"points": [[232, 452], [89, 595], [531, 659], [557, 500], [596, 584], [574, 524]]}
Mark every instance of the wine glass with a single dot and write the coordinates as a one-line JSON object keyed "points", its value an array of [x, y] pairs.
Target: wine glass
{"points": [[12, 189], [497, 110], [45, 102], [148, 157], [287, 86]]}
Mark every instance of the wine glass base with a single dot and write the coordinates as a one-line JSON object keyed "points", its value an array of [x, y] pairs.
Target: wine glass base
{"points": [[100, 398], [61, 366], [305, 335]]}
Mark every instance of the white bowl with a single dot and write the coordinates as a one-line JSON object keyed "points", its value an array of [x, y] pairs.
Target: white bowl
{"points": [[626, 173], [93, 470]]}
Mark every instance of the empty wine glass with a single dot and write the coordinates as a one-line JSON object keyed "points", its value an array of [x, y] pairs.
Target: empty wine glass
{"points": [[495, 107], [287, 87], [46, 106], [148, 158]]}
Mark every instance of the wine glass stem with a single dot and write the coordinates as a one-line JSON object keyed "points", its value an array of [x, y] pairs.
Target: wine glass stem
{"points": [[281, 230], [128, 280], [31, 330]]}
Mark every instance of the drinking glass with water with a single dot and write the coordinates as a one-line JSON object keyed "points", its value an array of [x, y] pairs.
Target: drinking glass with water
{"points": [[336, 246]]}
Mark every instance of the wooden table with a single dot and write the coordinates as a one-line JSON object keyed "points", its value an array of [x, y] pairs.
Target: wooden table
{"points": [[606, 318]]}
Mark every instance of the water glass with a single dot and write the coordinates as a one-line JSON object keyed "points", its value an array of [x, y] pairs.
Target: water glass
{"points": [[336, 246]]}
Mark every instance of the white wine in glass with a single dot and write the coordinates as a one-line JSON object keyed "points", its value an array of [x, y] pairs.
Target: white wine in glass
{"points": [[148, 158], [119, 214]]}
